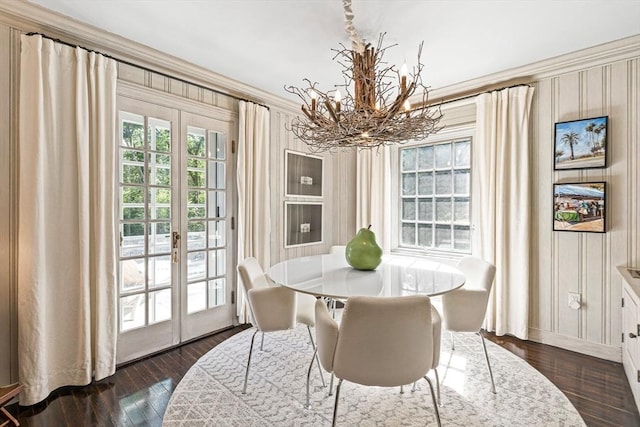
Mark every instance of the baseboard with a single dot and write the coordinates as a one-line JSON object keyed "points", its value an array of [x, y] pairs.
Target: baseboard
{"points": [[574, 344]]}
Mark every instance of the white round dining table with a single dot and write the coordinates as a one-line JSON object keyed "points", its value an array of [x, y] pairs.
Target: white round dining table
{"points": [[397, 275]]}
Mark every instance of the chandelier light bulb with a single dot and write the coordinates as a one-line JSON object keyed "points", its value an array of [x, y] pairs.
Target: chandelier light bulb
{"points": [[337, 98], [407, 105], [313, 95], [403, 77]]}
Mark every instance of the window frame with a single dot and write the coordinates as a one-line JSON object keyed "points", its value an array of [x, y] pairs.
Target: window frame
{"points": [[450, 134]]}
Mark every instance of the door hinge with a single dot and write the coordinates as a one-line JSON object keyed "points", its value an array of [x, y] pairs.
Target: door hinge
{"points": [[233, 223], [121, 239], [638, 330], [638, 376], [622, 302], [623, 337], [233, 297], [233, 147]]}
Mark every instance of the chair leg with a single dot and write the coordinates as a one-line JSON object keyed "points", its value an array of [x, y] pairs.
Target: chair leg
{"points": [[246, 374], [453, 344], [315, 355], [486, 355], [331, 385], [437, 386], [313, 344], [433, 398], [335, 405], [262, 343], [401, 389]]}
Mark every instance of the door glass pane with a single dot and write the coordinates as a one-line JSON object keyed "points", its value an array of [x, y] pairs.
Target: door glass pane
{"points": [[216, 204], [196, 267], [159, 135], [216, 292], [132, 275], [159, 238], [216, 234], [195, 142], [217, 145], [132, 312], [160, 271], [132, 130], [196, 202], [159, 306], [132, 239], [196, 231]]}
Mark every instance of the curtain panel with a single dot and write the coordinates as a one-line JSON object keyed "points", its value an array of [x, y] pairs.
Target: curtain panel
{"points": [[373, 194], [502, 186], [67, 231], [254, 193]]}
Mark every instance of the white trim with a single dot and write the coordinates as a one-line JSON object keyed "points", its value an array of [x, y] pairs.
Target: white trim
{"points": [[601, 351], [286, 175], [286, 223]]}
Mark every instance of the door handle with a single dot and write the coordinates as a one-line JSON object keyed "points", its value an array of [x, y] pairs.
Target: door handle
{"points": [[632, 335], [175, 236]]}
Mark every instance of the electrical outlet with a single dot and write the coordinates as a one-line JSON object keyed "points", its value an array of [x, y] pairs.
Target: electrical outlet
{"points": [[574, 301]]}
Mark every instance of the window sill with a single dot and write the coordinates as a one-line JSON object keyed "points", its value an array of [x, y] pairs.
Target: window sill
{"points": [[445, 257]]}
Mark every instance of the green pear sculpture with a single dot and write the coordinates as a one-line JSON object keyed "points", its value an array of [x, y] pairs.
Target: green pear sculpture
{"points": [[362, 252]]}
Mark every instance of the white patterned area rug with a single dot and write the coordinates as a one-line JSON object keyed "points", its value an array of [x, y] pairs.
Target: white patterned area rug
{"points": [[210, 394]]}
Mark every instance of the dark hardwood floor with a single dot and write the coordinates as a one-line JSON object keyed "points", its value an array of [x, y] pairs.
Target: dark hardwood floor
{"points": [[138, 393]]}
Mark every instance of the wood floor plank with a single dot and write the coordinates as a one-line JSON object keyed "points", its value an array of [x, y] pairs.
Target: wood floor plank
{"points": [[138, 393]]}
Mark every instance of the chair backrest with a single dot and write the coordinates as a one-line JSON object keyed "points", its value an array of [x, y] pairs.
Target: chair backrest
{"points": [[384, 341], [338, 249], [252, 275], [464, 309], [480, 273]]}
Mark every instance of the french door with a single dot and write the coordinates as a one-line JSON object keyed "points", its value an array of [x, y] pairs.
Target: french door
{"points": [[176, 239]]}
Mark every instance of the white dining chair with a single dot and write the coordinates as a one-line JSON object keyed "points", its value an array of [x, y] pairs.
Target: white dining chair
{"points": [[381, 341], [274, 307], [464, 309], [338, 249]]}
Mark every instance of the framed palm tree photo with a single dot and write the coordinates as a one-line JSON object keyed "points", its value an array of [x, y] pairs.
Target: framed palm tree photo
{"points": [[581, 144]]}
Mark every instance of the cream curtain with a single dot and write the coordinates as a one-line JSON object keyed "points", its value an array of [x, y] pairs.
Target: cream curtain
{"points": [[373, 194], [503, 204], [67, 318], [254, 195]]}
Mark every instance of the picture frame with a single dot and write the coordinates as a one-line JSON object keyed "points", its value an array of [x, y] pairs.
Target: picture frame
{"points": [[580, 206], [302, 223], [304, 175], [581, 144]]}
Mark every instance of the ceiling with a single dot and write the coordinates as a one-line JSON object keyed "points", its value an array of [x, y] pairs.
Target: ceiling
{"points": [[270, 43]]}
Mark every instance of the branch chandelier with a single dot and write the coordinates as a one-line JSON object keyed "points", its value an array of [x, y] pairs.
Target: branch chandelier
{"points": [[372, 116]]}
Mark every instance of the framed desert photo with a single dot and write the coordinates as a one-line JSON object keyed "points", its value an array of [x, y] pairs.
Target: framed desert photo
{"points": [[581, 144], [302, 223], [579, 207], [303, 174]]}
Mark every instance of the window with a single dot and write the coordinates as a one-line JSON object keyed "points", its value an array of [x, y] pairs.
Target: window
{"points": [[435, 196]]}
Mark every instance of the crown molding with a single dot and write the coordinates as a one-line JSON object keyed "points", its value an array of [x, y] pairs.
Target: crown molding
{"points": [[30, 17], [607, 53]]}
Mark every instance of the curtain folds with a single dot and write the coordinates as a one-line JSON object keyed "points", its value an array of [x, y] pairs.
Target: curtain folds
{"points": [[503, 204], [254, 194], [67, 231], [373, 194]]}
